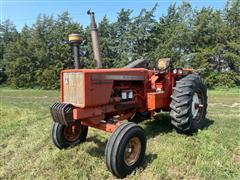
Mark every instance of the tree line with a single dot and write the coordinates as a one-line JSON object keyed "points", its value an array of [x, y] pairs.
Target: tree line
{"points": [[205, 39]]}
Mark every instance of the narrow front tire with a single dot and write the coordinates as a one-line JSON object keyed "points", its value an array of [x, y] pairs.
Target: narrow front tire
{"points": [[125, 149], [64, 136]]}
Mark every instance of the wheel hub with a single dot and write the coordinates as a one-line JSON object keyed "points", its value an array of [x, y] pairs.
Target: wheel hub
{"points": [[132, 151], [195, 105], [72, 133]]}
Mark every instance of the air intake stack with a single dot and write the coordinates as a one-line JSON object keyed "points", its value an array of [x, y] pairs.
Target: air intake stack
{"points": [[75, 40], [95, 44]]}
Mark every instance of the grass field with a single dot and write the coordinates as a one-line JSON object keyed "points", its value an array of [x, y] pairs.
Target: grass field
{"points": [[26, 150]]}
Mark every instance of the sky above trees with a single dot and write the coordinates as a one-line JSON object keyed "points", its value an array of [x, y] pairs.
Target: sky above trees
{"points": [[23, 12]]}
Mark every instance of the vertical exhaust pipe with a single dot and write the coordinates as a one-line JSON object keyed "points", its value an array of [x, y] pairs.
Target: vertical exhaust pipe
{"points": [[75, 40], [94, 36]]}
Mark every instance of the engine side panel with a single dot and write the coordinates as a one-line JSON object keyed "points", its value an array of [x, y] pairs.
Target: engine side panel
{"points": [[91, 87]]}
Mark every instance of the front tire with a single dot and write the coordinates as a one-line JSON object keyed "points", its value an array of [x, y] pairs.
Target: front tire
{"points": [[65, 136], [125, 149], [189, 104]]}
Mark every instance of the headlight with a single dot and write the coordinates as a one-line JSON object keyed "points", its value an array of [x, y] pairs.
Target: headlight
{"points": [[175, 71], [180, 71]]}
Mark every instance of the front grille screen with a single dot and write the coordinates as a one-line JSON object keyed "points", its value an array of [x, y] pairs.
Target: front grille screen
{"points": [[73, 87]]}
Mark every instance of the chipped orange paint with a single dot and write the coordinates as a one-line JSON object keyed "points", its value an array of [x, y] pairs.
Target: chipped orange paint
{"points": [[151, 93]]}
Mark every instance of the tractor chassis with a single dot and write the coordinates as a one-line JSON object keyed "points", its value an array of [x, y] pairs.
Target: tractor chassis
{"points": [[67, 114]]}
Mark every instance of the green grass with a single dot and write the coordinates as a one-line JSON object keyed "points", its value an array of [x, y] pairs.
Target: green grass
{"points": [[26, 150]]}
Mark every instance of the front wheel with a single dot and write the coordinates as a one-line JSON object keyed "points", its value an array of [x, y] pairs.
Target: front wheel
{"points": [[125, 149], [189, 104], [64, 136]]}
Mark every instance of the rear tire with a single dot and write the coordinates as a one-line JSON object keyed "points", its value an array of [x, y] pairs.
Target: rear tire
{"points": [[64, 136], [189, 104], [125, 149]]}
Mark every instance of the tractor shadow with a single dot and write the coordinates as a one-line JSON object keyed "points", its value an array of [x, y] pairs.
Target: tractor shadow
{"points": [[208, 123], [159, 126], [99, 150]]}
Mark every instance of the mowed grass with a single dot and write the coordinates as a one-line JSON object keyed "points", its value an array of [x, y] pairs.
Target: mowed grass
{"points": [[26, 150]]}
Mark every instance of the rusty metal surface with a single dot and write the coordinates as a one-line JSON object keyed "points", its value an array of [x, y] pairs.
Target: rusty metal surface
{"points": [[76, 56], [73, 87], [95, 43], [96, 86], [102, 94]]}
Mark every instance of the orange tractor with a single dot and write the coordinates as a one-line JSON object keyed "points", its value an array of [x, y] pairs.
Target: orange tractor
{"points": [[105, 98]]}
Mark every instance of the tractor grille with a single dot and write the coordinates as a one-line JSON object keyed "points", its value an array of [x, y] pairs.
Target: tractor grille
{"points": [[73, 87]]}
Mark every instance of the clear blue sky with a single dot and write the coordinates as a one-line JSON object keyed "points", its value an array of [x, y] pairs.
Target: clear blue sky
{"points": [[25, 11]]}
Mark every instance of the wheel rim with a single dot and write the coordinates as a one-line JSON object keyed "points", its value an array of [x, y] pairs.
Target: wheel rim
{"points": [[197, 105], [72, 133], [195, 102], [132, 151]]}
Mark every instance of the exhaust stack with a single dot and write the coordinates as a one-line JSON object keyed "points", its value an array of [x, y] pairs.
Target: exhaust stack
{"points": [[94, 35], [75, 40]]}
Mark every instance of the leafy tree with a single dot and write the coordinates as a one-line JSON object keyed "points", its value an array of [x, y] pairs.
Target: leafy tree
{"points": [[20, 62], [122, 28], [232, 31], [106, 34], [205, 39], [174, 33], [8, 34], [141, 35], [41, 52]]}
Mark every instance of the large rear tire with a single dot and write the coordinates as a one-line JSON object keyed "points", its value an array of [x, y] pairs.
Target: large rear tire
{"points": [[125, 149], [189, 104], [65, 136]]}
